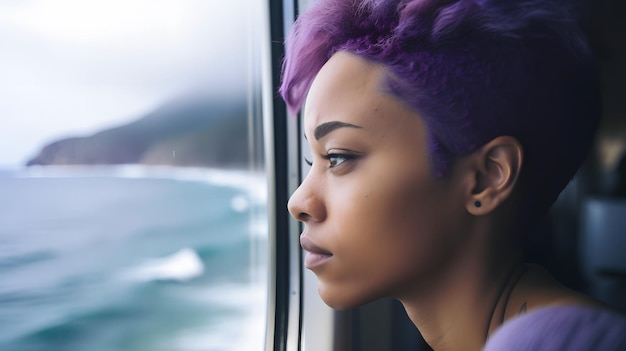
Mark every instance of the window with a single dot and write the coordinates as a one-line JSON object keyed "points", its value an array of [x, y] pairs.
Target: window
{"points": [[140, 223]]}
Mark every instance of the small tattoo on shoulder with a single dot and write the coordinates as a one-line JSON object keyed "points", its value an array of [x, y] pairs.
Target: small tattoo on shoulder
{"points": [[523, 309]]}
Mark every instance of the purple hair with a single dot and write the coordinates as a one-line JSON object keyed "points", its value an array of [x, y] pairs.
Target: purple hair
{"points": [[473, 70]]}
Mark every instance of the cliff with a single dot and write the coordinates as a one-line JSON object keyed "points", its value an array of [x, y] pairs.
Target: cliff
{"points": [[189, 132]]}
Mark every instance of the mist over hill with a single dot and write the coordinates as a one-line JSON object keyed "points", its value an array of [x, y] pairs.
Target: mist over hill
{"points": [[199, 132]]}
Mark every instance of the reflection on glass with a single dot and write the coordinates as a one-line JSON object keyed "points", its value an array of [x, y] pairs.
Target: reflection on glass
{"points": [[133, 198]]}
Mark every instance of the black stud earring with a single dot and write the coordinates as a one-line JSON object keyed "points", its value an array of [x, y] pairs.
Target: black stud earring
{"points": [[477, 204]]}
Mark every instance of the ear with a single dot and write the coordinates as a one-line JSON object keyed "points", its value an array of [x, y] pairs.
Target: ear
{"points": [[496, 167]]}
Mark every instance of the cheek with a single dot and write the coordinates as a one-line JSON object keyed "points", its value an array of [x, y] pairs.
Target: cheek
{"points": [[379, 209], [408, 224], [386, 234], [403, 205]]}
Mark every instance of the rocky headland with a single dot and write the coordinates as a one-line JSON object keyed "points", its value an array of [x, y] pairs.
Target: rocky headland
{"points": [[187, 132]]}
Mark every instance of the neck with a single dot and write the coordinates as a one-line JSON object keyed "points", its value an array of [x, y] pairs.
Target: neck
{"points": [[462, 306], [502, 308]]}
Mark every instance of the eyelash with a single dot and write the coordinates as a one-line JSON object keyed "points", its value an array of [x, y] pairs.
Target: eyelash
{"points": [[329, 157]]}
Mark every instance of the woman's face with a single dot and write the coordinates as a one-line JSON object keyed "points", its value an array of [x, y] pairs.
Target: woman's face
{"points": [[377, 222]]}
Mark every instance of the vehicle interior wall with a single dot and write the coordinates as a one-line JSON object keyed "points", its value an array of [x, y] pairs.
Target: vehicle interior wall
{"points": [[582, 241], [601, 239]]}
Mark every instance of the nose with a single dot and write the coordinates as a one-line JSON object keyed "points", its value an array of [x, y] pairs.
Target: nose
{"points": [[306, 203]]}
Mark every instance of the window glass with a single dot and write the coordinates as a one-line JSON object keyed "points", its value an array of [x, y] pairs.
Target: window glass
{"points": [[132, 190]]}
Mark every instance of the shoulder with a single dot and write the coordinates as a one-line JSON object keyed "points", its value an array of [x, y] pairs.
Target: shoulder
{"points": [[555, 328]]}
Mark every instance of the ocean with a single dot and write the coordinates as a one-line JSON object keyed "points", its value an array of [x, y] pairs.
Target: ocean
{"points": [[132, 258]]}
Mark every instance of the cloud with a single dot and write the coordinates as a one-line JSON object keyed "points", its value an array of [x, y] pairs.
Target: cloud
{"points": [[73, 66]]}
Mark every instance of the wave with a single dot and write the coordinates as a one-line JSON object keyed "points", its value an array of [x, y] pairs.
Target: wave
{"points": [[241, 330], [181, 266], [15, 298], [254, 183], [258, 228], [190, 322], [12, 262]]}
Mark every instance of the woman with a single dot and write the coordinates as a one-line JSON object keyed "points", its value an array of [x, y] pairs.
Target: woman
{"points": [[440, 130]]}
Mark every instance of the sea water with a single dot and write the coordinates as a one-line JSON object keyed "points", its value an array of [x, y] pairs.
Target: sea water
{"points": [[132, 258]]}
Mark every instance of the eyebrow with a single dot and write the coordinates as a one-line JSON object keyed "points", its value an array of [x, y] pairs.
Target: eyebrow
{"points": [[323, 129]]}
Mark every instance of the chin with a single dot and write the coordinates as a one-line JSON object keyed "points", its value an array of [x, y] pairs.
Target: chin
{"points": [[344, 299]]}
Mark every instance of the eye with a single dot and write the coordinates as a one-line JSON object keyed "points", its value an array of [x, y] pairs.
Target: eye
{"points": [[336, 159]]}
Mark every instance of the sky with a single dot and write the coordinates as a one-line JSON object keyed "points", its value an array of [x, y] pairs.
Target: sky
{"points": [[74, 67]]}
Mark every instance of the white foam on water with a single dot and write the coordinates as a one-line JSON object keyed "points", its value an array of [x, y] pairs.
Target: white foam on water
{"points": [[239, 203], [254, 183], [243, 330], [59, 171], [258, 227], [182, 266]]}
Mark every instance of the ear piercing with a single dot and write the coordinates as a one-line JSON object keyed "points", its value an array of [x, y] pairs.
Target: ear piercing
{"points": [[477, 203]]}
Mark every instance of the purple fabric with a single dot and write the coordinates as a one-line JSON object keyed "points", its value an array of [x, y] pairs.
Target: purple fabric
{"points": [[562, 328]]}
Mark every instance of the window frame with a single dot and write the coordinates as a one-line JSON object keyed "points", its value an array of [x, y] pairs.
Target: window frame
{"points": [[283, 323]]}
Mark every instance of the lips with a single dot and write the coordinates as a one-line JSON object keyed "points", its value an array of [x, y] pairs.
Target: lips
{"points": [[316, 256]]}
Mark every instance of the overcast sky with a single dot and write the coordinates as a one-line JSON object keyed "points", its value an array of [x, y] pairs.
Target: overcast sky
{"points": [[72, 67]]}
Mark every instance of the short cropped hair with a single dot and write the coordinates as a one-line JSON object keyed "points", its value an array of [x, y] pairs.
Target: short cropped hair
{"points": [[473, 70]]}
